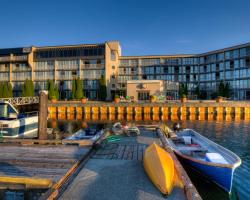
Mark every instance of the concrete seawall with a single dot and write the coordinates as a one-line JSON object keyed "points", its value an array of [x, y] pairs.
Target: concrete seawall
{"points": [[152, 111]]}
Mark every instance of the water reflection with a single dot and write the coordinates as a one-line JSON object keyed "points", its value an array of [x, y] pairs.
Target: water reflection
{"points": [[138, 116]]}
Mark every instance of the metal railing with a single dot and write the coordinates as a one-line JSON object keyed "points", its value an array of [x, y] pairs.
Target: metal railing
{"points": [[15, 101]]}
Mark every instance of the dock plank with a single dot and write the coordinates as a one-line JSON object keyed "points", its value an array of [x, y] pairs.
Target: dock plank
{"points": [[39, 161]]}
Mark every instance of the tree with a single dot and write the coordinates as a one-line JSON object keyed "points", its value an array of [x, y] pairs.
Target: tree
{"points": [[227, 90], [183, 90], [28, 89], [73, 88], [5, 90], [53, 90], [221, 89], [1, 89], [224, 89], [198, 91], [102, 88], [79, 89], [10, 90]]}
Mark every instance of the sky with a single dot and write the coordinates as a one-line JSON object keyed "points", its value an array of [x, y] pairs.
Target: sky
{"points": [[143, 27]]}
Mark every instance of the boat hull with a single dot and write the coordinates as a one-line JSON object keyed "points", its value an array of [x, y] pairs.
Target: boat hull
{"points": [[19, 127], [222, 176], [159, 166]]}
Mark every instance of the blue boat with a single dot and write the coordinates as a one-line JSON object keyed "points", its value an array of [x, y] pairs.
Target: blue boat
{"points": [[209, 158]]}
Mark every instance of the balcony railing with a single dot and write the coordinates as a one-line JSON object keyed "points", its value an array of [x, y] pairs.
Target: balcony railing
{"points": [[13, 58]]}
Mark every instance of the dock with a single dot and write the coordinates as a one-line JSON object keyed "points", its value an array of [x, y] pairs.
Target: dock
{"points": [[37, 166], [115, 171]]}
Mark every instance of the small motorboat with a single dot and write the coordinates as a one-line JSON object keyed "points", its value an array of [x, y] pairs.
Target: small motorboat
{"points": [[119, 129], [14, 124], [210, 159], [88, 134]]}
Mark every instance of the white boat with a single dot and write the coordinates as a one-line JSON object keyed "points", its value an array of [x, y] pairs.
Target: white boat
{"points": [[14, 124], [209, 158], [118, 129], [86, 134]]}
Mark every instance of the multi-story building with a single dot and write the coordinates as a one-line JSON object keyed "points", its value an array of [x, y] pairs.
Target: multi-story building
{"points": [[61, 64], [89, 61], [207, 70]]}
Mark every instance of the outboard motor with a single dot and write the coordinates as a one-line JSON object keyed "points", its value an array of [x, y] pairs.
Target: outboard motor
{"points": [[176, 127]]}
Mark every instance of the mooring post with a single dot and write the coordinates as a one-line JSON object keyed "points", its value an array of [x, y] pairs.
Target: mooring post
{"points": [[43, 114]]}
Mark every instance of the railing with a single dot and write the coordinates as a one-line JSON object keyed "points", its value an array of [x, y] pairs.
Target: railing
{"points": [[21, 100], [13, 58]]}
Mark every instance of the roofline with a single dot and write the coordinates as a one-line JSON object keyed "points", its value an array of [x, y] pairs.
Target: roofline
{"points": [[69, 46], [188, 55], [226, 49], [159, 56]]}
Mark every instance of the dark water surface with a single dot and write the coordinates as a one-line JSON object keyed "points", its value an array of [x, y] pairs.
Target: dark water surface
{"points": [[232, 135]]}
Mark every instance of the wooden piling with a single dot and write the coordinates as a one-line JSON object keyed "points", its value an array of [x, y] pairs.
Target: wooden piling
{"points": [[42, 118]]}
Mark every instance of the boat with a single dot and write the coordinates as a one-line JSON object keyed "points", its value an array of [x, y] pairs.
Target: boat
{"points": [[159, 166], [119, 129], [205, 156], [17, 125], [86, 134]]}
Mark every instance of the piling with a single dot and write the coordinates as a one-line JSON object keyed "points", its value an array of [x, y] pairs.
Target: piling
{"points": [[42, 118]]}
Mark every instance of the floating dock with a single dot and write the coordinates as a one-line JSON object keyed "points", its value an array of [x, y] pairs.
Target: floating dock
{"points": [[115, 171]]}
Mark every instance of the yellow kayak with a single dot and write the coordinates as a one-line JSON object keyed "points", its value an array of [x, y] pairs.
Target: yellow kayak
{"points": [[159, 166]]}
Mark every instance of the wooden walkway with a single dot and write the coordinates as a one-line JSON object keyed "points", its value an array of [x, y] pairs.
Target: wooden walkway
{"points": [[28, 165], [121, 151]]}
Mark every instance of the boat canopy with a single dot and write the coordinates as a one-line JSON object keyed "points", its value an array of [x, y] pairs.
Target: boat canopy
{"points": [[7, 110]]}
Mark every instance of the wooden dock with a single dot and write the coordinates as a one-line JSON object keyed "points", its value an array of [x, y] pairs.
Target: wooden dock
{"points": [[115, 171], [38, 166]]}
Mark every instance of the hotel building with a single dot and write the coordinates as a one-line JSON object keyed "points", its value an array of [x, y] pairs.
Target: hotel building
{"points": [[89, 61]]}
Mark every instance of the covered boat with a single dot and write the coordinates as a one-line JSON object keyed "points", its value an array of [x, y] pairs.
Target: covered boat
{"points": [[119, 129], [84, 134], [14, 124], [210, 159]]}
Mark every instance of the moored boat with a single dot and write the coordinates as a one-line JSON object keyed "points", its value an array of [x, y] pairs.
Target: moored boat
{"points": [[209, 158], [119, 129], [88, 134], [14, 124]]}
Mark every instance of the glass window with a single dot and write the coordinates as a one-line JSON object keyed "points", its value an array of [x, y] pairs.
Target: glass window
{"points": [[243, 52], [113, 55], [220, 56], [236, 53]]}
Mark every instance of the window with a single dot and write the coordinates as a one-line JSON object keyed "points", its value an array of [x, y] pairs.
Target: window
{"points": [[113, 56], [143, 95], [113, 67]]}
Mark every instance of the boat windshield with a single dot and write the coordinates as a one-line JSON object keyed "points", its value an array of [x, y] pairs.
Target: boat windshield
{"points": [[6, 110]]}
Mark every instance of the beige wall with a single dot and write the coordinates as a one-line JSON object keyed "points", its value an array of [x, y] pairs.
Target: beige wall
{"points": [[154, 87], [109, 63]]}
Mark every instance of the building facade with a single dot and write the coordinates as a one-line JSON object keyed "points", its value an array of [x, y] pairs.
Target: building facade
{"points": [[89, 61]]}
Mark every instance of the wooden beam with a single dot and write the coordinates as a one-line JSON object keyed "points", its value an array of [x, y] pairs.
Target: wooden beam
{"points": [[43, 113], [28, 182]]}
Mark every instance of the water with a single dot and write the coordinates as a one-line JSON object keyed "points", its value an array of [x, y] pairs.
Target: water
{"points": [[232, 135]]}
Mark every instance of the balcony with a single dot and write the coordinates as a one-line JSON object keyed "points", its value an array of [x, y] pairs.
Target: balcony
{"points": [[13, 58], [93, 66]]}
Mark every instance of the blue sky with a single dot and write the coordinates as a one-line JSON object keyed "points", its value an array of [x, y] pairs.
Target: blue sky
{"points": [[143, 27]]}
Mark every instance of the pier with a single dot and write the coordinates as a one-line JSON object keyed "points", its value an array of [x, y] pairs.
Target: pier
{"points": [[115, 171]]}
